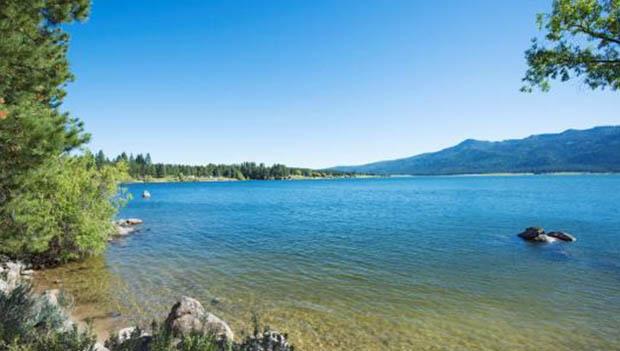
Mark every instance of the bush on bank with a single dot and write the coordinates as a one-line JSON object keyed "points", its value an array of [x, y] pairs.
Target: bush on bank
{"points": [[30, 322], [63, 210]]}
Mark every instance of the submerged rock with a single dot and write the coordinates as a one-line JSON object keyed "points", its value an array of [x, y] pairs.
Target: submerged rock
{"points": [[188, 316], [123, 231], [562, 236]]}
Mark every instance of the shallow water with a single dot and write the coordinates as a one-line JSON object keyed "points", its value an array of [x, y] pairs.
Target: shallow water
{"points": [[422, 263]]}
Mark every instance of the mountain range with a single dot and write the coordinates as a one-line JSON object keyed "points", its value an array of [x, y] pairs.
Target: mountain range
{"points": [[591, 150]]}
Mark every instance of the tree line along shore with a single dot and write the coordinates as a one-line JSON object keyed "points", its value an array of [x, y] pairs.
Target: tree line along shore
{"points": [[141, 168]]}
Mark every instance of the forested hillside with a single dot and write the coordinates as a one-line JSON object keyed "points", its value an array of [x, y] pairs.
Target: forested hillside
{"points": [[591, 150]]}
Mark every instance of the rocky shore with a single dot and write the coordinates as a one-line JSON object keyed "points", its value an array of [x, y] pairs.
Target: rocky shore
{"points": [[187, 318], [124, 227]]}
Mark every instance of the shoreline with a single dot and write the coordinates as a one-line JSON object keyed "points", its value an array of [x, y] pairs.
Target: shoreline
{"points": [[224, 180], [505, 174], [186, 319], [378, 176], [88, 310]]}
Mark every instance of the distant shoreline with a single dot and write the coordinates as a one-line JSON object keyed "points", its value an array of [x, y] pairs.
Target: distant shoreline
{"points": [[378, 176], [501, 174], [223, 179]]}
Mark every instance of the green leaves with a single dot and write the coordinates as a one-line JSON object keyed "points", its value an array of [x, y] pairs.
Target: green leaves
{"points": [[33, 48], [29, 322], [30, 134], [582, 40], [53, 206], [65, 209]]}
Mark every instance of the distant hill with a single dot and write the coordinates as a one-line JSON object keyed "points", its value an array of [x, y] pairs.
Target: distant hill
{"points": [[591, 150]]}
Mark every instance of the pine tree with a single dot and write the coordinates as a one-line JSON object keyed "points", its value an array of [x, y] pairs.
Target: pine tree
{"points": [[100, 159], [52, 204], [34, 70]]}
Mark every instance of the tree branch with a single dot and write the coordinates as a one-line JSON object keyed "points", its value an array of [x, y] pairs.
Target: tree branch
{"points": [[595, 34]]}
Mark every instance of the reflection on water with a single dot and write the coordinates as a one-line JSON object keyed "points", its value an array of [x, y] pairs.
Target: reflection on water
{"points": [[377, 264]]}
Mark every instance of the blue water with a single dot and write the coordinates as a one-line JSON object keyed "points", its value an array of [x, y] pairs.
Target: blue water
{"points": [[394, 264]]}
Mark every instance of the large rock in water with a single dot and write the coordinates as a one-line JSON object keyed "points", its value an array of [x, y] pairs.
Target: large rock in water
{"points": [[131, 221], [188, 315], [562, 236], [125, 227], [537, 234], [531, 233]]}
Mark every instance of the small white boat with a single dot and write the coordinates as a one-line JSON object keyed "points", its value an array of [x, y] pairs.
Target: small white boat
{"points": [[146, 194]]}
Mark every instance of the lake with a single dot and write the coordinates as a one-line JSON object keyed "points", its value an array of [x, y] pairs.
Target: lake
{"points": [[419, 263]]}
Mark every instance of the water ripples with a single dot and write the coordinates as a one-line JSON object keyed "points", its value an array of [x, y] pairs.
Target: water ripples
{"points": [[397, 264]]}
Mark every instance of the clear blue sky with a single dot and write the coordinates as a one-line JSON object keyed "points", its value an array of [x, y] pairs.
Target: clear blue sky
{"points": [[313, 83]]}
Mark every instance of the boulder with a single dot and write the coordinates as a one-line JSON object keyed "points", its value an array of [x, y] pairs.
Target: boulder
{"points": [[537, 234], [11, 272], [531, 233], [133, 221], [99, 347], [543, 238], [126, 226], [13, 275], [14, 266], [4, 287], [214, 325], [131, 338], [125, 334], [188, 315], [128, 222], [562, 236]]}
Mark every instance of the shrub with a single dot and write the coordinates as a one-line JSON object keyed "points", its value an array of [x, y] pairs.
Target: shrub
{"points": [[64, 211], [162, 340], [30, 323]]}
